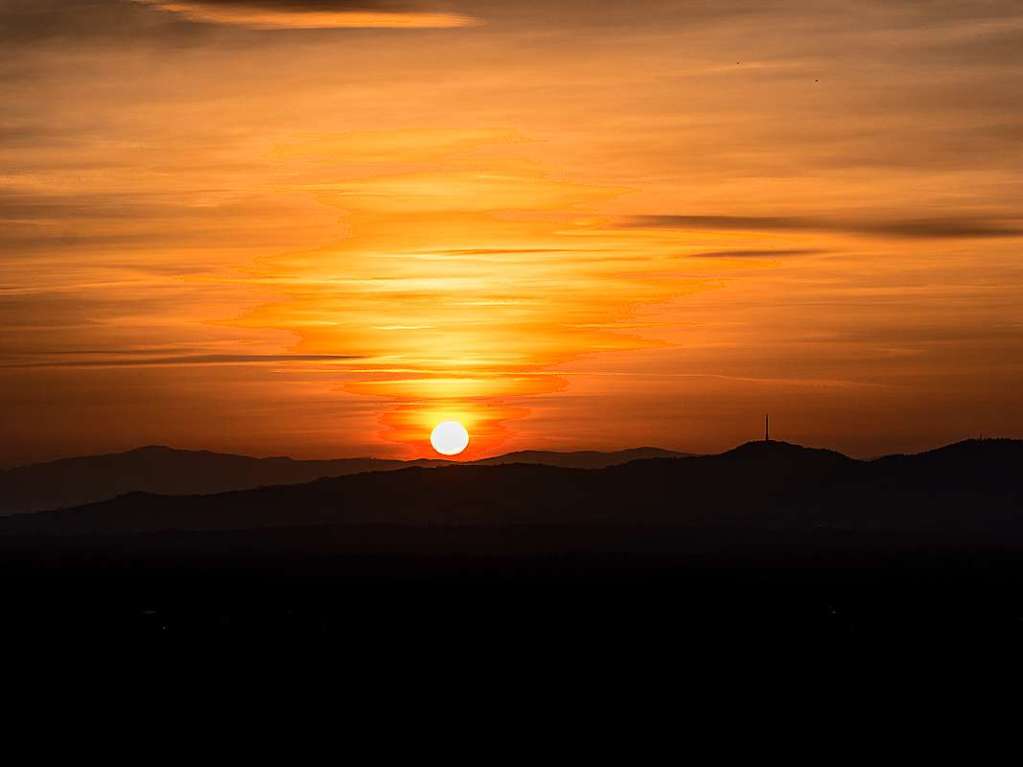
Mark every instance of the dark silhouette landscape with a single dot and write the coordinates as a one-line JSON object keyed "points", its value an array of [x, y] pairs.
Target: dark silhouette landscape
{"points": [[799, 536]]}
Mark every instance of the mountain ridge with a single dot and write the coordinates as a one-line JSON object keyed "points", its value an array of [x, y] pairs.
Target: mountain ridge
{"points": [[161, 469], [757, 486]]}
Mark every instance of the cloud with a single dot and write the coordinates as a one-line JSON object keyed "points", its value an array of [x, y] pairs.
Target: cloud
{"points": [[315, 14], [29, 206], [190, 359], [943, 228], [949, 227], [80, 22], [757, 253], [496, 251]]}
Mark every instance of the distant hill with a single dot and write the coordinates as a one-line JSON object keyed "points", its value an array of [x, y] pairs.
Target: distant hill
{"points": [[167, 471], [581, 459], [773, 488], [164, 470]]}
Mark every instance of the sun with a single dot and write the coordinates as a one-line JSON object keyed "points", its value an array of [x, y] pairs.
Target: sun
{"points": [[449, 438]]}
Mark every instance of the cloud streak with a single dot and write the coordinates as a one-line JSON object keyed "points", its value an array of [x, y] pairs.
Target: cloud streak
{"points": [[191, 359], [757, 253], [314, 14], [951, 227]]}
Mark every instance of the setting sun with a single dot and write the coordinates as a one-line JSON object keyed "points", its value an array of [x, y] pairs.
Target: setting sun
{"points": [[449, 438]]}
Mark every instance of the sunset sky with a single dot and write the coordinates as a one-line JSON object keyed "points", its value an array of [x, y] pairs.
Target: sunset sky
{"points": [[320, 227]]}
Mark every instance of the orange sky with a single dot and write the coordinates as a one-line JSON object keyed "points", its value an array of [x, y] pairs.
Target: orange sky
{"points": [[319, 227]]}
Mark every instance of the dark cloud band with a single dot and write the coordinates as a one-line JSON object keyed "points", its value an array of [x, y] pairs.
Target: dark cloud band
{"points": [[303, 6], [757, 253], [912, 228], [192, 359], [315, 14]]}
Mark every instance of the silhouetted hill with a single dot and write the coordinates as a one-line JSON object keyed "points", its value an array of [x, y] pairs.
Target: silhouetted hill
{"points": [[167, 471], [767, 488], [781, 454], [158, 469], [581, 459], [990, 462]]}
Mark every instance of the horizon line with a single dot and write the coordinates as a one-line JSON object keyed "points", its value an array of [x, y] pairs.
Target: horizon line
{"points": [[453, 461]]}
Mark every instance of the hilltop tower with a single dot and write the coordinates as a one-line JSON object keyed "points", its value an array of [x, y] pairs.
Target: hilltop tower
{"points": [[767, 428]]}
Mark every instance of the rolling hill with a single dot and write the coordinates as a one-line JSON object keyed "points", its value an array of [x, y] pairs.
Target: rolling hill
{"points": [[168, 471], [968, 488]]}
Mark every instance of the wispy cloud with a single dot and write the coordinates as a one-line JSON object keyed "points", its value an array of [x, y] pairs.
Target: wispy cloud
{"points": [[757, 253], [190, 359], [911, 228], [315, 14]]}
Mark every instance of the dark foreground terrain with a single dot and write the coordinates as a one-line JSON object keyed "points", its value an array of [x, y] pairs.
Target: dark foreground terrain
{"points": [[767, 539]]}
